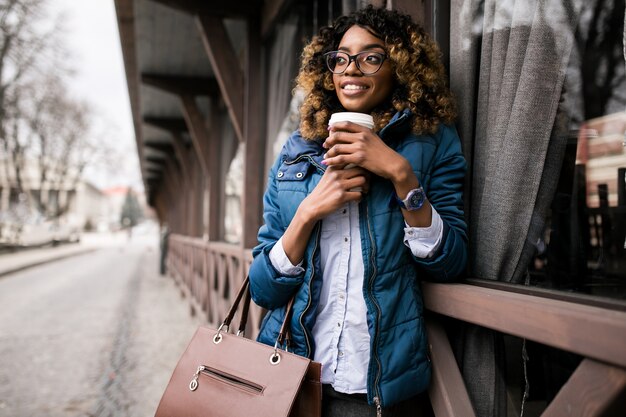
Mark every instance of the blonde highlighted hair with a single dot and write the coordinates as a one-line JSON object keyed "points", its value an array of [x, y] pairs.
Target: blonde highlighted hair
{"points": [[419, 75]]}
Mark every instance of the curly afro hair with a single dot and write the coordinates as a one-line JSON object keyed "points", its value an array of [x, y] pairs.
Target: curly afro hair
{"points": [[419, 76]]}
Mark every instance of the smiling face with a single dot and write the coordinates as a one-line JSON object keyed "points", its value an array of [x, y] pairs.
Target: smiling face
{"points": [[358, 92]]}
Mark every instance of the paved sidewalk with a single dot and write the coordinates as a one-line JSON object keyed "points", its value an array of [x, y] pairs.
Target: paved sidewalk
{"points": [[11, 262]]}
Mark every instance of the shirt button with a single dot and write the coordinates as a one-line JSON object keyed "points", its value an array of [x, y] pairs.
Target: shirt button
{"points": [[344, 211], [341, 296], [338, 324], [345, 239], [340, 354]]}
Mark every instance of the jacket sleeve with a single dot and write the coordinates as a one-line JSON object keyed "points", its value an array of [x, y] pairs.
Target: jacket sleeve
{"points": [[445, 193], [268, 288]]}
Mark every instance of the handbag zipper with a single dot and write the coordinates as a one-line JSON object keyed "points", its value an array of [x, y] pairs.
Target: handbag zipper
{"points": [[224, 377]]}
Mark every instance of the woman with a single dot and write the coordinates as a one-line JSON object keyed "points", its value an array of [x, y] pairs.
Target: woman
{"points": [[352, 260]]}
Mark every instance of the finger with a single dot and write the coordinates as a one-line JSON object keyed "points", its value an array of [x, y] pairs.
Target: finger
{"points": [[337, 161], [355, 182], [356, 172], [339, 137]]}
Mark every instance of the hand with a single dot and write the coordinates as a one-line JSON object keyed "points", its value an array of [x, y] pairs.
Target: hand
{"points": [[349, 143], [334, 190]]}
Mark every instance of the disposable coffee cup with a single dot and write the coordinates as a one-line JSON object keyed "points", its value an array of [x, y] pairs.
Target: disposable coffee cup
{"points": [[362, 119]]}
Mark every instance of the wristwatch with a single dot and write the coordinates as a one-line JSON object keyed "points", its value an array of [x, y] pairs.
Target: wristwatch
{"points": [[414, 199]]}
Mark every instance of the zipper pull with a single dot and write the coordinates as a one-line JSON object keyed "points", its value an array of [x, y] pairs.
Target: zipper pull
{"points": [[193, 385], [379, 410]]}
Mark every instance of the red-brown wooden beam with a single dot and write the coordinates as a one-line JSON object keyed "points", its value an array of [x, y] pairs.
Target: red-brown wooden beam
{"points": [[170, 124], [215, 177], [226, 67], [593, 390], [125, 12], [159, 146], [183, 154], [254, 166], [270, 13], [199, 86], [196, 125], [240, 8], [157, 159], [589, 331], [447, 392]]}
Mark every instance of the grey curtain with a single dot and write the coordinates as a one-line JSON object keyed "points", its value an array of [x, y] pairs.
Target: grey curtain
{"points": [[508, 61]]}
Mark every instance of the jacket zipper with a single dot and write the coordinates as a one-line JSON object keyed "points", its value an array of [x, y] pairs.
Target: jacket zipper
{"points": [[317, 241], [371, 285]]}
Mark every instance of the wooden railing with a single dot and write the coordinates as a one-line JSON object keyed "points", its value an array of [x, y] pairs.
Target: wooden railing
{"points": [[210, 273]]}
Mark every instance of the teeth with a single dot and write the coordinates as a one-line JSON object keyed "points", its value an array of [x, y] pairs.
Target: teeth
{"points": [[354, 87]]}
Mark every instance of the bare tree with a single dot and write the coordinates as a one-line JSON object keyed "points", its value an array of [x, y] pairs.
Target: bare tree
{"points": [[42, 128]]}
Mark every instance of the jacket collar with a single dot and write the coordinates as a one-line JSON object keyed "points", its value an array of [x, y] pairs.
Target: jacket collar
{"points": [[297, 146]]}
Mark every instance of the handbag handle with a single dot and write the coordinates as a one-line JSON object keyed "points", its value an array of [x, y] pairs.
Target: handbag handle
{"points": [[284, 336]]}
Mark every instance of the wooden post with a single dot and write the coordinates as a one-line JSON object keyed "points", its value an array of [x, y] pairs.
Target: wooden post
{"points": [[215, 179], [255, 139], [225, 66]]}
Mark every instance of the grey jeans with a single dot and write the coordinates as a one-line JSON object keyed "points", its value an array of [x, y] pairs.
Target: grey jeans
{"points": [[337, 404]]}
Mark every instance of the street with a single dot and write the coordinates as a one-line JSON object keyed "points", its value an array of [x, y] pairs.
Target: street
{"points": [[96, 334]]}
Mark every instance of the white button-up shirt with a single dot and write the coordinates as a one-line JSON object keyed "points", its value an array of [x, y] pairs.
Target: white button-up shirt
{"points": [[342, 340]]}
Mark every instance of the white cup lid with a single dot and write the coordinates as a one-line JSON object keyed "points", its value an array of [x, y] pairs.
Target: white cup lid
{"points": [[363, 119]]}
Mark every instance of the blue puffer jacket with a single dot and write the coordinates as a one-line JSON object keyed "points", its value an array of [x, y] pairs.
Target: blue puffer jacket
{"points": [[399, 366]]}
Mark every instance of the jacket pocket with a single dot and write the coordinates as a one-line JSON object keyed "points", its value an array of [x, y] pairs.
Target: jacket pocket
{"points": [[293, 171], [293, 183]]}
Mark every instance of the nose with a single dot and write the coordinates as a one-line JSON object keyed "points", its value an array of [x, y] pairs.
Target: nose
{"points": [[352, 68]]}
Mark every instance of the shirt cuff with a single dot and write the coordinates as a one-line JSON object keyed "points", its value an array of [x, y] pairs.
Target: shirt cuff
{"points": [[281, 262], [424, 241]]}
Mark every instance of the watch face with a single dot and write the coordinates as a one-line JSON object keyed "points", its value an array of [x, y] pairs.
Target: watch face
{"points": [[415, 199]]}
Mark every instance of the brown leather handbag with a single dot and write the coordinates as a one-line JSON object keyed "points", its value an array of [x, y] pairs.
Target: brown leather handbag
{"points": [[226, 375]]}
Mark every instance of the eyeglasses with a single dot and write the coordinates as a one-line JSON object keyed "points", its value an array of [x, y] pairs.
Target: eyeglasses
{"points": [[367, 62]]}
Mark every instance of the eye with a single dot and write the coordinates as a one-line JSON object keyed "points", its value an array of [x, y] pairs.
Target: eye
{"points": [[373, 58], [340, 59]]}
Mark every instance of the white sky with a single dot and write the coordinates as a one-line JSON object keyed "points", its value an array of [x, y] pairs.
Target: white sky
{"points": [[93, 40]]}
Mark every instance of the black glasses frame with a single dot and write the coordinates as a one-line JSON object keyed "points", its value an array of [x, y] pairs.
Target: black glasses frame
{"points": [[331, 54]]}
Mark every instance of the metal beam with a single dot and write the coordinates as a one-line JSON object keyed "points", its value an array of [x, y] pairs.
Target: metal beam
{"points": [[226, 67], [195, 86], [240, 8]]}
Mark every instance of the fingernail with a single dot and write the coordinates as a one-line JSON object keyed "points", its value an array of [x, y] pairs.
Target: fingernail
{"points": [[324, 162]]}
